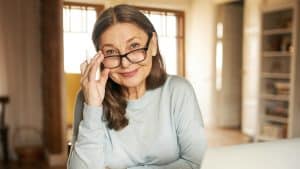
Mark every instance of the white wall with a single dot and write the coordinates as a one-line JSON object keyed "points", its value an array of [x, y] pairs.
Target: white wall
{"points": [[20, 65], [251, 55], [200, 38]]}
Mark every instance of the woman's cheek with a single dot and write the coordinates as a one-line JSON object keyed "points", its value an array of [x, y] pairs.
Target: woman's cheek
{"points": [[114, 76]]}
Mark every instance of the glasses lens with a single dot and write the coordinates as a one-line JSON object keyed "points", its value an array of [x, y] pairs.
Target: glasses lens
{"points": [[137, 55], [111, 61]]}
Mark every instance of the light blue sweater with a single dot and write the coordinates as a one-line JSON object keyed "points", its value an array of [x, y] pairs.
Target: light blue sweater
{"points": [[165, 131]]}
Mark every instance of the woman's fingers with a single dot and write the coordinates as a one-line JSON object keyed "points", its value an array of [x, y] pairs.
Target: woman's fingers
{"points": [[86, 69], [104, 76], [94, 89], [83, 66], [90, 70], [95, 67]]}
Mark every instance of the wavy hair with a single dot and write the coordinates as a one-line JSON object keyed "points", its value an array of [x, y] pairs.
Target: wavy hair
{"points": [[115, 103]]}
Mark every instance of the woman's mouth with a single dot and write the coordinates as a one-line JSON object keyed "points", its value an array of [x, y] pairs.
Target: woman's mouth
{"points": [[129, 74]]}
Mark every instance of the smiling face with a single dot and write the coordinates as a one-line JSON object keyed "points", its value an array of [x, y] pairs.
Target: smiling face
{"points": [[122, 38]]}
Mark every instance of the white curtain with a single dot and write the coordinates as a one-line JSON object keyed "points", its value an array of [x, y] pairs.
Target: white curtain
{"points": [[20, 68]]}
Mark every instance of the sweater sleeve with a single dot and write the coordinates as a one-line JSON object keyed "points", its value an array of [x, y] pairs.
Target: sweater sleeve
{"points": [[87, 151], [189, 129]]}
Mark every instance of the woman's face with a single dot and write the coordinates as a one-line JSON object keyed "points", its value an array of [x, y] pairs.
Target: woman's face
{"points": [[122, 38]]}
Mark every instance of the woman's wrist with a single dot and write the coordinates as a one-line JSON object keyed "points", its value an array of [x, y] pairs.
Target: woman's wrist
{"points": [[92, 115]]}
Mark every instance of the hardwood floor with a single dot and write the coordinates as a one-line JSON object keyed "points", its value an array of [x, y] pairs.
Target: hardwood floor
{"points": [[38, 165], [219, 137]]}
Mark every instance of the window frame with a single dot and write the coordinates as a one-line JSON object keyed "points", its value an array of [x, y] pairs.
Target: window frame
{"points": [[180, 15], [98, 7]]}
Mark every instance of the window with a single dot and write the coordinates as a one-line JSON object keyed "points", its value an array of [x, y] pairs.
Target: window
{"points": [[169, 26], [219, 56], [78, 22]]}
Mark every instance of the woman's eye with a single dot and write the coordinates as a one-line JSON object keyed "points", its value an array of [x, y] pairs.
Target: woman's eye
{"points": [[134, 45], [110, 52]]}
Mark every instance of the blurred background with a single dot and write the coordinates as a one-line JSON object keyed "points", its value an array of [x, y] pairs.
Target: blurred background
{"points": [[241, 56]]}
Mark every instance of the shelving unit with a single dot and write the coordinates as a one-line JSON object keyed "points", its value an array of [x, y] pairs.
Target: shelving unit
{"points": [[279, 113]]}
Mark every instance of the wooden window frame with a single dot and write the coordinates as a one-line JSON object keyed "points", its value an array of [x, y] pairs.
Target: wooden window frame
{"points": [[98, 7], [181, 34]]}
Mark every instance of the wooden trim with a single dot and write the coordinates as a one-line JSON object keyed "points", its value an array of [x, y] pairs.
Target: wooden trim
{"points": [[99, 8], [177, 12], [52, 55], [294, 113], [181, 52]]}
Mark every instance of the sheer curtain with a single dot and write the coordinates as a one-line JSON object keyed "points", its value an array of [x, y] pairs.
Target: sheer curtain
{"points": [[20, 67]]}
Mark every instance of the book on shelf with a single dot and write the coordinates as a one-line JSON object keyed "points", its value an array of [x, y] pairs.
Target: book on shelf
{"points": [[274, 130], [282, 88], [280, 65], [276, 87], [277, 108]]}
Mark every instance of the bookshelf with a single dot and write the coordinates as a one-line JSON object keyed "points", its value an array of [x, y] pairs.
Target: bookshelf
{"points": [[279, 109]]}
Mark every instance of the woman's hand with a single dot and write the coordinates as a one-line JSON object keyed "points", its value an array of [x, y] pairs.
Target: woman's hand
{"points": [[93, 89]]}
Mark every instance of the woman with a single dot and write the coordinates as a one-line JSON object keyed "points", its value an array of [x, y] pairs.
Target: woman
{"points": [[135, 115]]}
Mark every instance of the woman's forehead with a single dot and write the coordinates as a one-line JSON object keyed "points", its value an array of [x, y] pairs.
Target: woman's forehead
{"points": [[121, 33]]}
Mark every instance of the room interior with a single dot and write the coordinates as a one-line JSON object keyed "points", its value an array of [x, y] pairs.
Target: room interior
{"points": [[241, 56]]}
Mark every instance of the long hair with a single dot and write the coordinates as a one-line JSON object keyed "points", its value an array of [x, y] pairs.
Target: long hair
{"points": [[115, 103]]}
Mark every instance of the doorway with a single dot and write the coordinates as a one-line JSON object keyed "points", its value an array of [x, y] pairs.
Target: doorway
{"points": [[228, 64]]}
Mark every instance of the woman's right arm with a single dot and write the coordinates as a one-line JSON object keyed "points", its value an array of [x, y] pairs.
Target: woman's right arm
{"points": [[87, 151]]}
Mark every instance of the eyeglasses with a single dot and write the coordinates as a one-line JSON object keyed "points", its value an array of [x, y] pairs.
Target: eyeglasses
{"points": [[134, 56]]}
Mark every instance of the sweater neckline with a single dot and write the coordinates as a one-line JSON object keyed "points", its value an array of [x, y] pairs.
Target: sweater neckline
{"points": [[140, 102]]}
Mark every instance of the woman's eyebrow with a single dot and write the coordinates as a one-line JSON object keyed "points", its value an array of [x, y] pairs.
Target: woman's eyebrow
{"points": [[127, 41], [108, 45], [132, 38]]}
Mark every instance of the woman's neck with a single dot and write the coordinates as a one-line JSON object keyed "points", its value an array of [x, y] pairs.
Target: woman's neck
{"points": [[136, 92]]}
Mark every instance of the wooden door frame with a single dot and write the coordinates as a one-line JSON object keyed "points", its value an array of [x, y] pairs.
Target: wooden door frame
{"points": [[53, 85], [52, 81]]}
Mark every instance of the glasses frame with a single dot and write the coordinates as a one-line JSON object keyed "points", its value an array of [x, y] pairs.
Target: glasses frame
{"points": [[145, 49]]}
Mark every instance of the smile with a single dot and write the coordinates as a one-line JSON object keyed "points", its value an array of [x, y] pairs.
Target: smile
{"points": [[129, 74]]}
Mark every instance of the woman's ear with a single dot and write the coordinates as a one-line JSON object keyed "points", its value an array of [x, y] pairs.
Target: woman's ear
{"points": [[153, 43]]}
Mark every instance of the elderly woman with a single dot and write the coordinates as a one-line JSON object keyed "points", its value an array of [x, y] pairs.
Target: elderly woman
{"points": [[134, 115]]}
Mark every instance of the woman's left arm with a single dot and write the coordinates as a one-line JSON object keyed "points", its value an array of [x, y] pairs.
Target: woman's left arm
{"points": [[189, 129]]}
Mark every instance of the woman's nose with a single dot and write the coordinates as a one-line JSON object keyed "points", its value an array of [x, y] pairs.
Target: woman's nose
{"points": [[125, 62]]}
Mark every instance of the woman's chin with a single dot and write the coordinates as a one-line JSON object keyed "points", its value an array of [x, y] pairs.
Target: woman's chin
{"points": [[129, 83]]}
